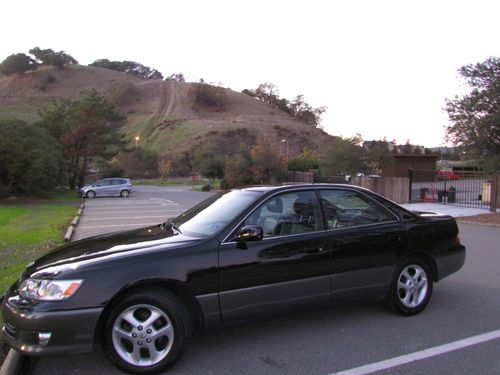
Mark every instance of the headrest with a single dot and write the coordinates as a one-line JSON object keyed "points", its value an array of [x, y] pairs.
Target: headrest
{"points": [[275, 205], [303, 207]]}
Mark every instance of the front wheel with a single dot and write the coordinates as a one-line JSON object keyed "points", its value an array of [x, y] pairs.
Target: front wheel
{"points": [[411, 287], [147, 331], [90, 194]]}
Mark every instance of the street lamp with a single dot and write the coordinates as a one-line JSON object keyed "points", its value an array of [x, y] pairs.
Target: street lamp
{"points": [[285, 141], [136, 140]]}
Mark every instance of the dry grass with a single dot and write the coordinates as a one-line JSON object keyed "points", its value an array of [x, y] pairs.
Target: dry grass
{"points": [[155, 103]]}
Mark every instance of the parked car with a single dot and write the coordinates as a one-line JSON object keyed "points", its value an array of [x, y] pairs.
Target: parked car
{"points": [[108, 187], [447, 175], [236, 256]]}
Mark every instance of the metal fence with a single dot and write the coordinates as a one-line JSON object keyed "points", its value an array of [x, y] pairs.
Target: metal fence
{"points": [[466, 189]]}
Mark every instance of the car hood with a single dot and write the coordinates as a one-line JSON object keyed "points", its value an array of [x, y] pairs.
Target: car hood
{"points": [[110, 246]]}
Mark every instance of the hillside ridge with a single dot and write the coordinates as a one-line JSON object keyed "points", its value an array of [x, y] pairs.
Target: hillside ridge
{"points": [[161, 113]]}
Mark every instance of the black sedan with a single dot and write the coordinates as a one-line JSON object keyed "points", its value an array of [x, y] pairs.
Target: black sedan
{"points": [[238, 255]]}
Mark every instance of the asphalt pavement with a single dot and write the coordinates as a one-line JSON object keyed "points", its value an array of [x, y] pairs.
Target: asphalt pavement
{"points": [[147, 205], [330, 340]]}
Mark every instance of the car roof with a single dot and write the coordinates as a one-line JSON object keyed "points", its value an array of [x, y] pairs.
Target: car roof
{"points": [[265, 189]]}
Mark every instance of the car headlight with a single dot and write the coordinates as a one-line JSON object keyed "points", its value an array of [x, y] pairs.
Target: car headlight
{"points": [[49, 290]]}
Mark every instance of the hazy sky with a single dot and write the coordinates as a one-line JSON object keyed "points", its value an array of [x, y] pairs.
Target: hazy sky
{"points": [[383, 68]]}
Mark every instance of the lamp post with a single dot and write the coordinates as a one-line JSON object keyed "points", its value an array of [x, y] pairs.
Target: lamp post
{"points": [[136, 140], [285, 141]]}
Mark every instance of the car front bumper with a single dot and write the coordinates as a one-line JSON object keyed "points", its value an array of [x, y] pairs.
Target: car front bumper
{"points": [[49, 333]]}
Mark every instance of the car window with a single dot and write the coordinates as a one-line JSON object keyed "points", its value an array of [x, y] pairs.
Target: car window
{"points": [[104, 183], [215, 213], [344, 208], [288, 213], [118, 182]]}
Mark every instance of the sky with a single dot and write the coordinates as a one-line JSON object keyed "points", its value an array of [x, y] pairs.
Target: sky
{"points": [[382, 68]]}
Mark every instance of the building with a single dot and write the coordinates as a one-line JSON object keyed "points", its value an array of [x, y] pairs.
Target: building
{"points": [[399, 164]]}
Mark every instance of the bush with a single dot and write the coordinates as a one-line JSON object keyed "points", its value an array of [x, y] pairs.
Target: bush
{"points": [[206, 187], [124, 94], [208, 95]]}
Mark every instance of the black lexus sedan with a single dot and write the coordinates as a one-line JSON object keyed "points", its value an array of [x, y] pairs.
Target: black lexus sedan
{"points": [[236, 256]]}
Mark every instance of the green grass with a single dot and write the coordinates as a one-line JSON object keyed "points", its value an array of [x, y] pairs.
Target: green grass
{"points": [[26, 233]]}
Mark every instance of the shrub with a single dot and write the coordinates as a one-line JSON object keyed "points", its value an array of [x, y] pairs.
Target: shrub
{"points": [[206, 187], [209, 96], [124, 94]]}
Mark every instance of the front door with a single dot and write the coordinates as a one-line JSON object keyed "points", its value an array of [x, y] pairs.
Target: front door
{"points": [[288, 268]]}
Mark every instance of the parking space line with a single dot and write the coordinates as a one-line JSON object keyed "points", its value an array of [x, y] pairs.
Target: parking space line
{"points": [[136, 211], [422, 354], [122, 218], [139, 225]]}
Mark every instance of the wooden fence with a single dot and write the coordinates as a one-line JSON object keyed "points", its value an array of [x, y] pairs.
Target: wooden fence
{"points": [[294, 176], [396, 189]]}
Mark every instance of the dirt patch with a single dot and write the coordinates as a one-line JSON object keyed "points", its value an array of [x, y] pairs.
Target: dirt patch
{"points": [[491, 219]]}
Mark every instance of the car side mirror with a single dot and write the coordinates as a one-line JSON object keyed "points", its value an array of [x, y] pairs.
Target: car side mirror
{"points": [[250, 233]]}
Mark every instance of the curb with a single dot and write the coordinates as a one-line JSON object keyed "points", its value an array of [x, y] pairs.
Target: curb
{"points": [[73, 224], [13, 363], [476, 223]]}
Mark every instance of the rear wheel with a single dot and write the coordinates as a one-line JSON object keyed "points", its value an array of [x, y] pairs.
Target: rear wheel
{"points": [[147, 331], [90, 194], [411, 287], [124, 193]]}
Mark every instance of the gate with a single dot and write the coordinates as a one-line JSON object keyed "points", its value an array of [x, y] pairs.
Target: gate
{"points": [[466, 189]]}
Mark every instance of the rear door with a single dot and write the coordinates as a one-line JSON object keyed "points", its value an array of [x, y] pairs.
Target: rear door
{"points": [[288, 268], [366, 241]]}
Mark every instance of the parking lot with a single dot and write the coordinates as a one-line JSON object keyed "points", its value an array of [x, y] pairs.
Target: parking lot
{"points": [[330, 340], [147, 205]]}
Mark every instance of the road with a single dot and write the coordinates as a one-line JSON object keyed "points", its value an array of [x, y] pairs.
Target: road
{"points": [[329, 340]]}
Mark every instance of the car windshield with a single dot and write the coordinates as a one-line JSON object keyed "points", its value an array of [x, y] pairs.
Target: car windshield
{"points": [[214, 213]]}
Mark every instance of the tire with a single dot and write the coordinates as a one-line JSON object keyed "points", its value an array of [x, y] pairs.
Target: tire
{"points": [[90, 194], [411, 287], [124, 193], [146, 331]]}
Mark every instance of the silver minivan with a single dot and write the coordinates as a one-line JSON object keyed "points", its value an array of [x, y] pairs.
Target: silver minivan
{"points": [[108, 187]]}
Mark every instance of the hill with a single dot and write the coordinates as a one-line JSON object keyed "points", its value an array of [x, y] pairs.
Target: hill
{"points": [[162, 113]]}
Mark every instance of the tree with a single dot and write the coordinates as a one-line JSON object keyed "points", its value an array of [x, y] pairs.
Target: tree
{"points": [[304, 162], [129, 67], [17, 64], [475, 116], [267, 165], [164, 167], [177, 77], [86, 129], [30, 159], [139, 163], [237, 168], [268, 93], [49, 57], [344, 157], [209, 160]]}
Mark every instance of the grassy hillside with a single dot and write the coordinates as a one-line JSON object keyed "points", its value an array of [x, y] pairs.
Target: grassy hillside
{"points": [[161, 113]]}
